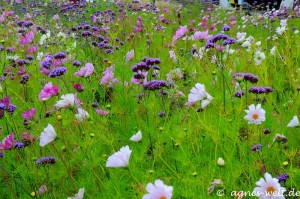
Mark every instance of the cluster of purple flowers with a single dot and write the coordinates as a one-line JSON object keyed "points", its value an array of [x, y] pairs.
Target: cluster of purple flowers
{"points": [[59, 71], [245, 76], [60, 55], [5, 105], [256, 147], [211, 43], [25, 24], [24, 79], [76, 63], [156, 84], [239, 94], [260, 90], [46, 160], [19, 145], [47, 62], [283, 177]]}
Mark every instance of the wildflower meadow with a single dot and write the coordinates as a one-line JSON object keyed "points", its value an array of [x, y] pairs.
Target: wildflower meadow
{"points": [[131, 99]]}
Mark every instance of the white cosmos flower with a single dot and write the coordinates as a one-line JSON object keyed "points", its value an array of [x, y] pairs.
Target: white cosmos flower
{"points": [[294, 122], [82, 114], [47, 136], [206, 101], [269, 188], [197, 93], [272, 51], [246, 44], [280, 30], [67, 100], [120, 158], [79, 195], [158, 190], [255, 115], [136, 137]]}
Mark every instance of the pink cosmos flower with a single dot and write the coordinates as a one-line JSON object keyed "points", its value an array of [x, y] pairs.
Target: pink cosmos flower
{"points": [[29, 114], [129, 56], [27, 39], [7, 142], [158, 190], [78, 87], [120, 158], [45, 71], [180, 32], [108, 77], [198, 35], [102, 112], [48, 91], [85, 71]]}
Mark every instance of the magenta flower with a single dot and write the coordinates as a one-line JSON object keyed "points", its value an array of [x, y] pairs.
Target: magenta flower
{"points": [[78, 87], [27, 39], [29, 114], [32, 49], [48, 91], [102, 112], [85, 71]]}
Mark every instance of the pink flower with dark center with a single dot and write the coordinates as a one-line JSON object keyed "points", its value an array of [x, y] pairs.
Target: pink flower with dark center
{"points": [[48, 91], [29, 114]]}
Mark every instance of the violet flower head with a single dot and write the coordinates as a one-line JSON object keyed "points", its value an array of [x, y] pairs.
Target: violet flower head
{"points": [[218, 37], [46, 63], [210, 45], [60, 55], [11, 108], [86, 34], [156, 84], [256, 147], [257, 90], [229, 41], [59, 71], [283, 178], [1, 155], [24, 79], [239, 94], [140, 67], [19, 145], [226, 27], [46, 160], [251, 78], [76, 63]]}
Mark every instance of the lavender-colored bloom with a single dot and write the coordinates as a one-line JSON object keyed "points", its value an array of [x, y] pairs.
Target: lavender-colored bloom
{"points": [[156, 84], [19, 145], [1, 48], [162, 114], [1, 155], [57, 72], [268, 89], [60, 55], [11, 108], [226, 27], [210, 45], [21, 62], [140, 66], [229, 41], [2, 106], [193, 51], [256, 147], [10, 49], [86, 27], [257, 90], [251, 78], [46, 63], [86, 33], [29, 57], [283, 177], [239, 94], [2, 78], [151, 61], [24, 79], [76, 63], [218, 37], [46, 160], [94, 28]]}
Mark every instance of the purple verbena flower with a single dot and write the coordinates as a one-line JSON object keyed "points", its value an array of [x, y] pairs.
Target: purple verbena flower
{"points": [[59, 71]]}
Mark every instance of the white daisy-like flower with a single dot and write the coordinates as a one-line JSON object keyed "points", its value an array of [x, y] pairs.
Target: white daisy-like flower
{"points": [[294, 122], [255, 115], [67, 100], [81, 115], [47, 136], [120, 158], [136, 137], [79, 195], [197, 93], [158, 190], [269, 188]]}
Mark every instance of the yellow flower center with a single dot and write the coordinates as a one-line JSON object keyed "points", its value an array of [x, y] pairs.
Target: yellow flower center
{"points": [[270, 190], [163, 197], [255, 116]]}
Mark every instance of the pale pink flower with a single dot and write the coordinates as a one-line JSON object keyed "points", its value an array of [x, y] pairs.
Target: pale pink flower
{"points": [[102, 112], [68, 100], [158, 190], [108, 77], [180, 32], [29, 114], [85, 71], [197, 93], [198, 35], [47, 136], [48, 91], [120, 158], [130, 55], [45, 71]]}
